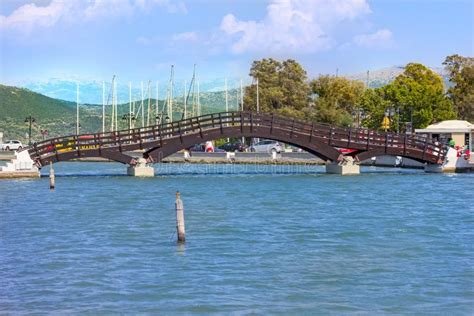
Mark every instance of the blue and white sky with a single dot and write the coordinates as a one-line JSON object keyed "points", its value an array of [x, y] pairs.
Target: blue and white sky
{"points": [[140, 39]]}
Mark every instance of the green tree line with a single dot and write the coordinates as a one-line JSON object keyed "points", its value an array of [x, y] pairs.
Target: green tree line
{"points": [[416, 98]]}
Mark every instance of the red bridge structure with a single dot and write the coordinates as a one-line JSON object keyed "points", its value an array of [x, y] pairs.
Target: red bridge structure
{"points": [[160, 141]]}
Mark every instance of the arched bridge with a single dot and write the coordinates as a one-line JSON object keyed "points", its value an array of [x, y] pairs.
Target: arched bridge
{"points": [[160, 141]]}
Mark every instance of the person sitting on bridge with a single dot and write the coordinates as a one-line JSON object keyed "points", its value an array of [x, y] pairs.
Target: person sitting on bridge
{"points": [[451, 143]]}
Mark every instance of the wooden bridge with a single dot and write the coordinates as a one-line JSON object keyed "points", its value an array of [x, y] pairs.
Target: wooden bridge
{"points": [[160, 141]]}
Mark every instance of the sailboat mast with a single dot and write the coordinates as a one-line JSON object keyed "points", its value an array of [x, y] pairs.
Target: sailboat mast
{"points": [[77, 108], [103, 107], [129, 105], [141, 107], [241, 96], [112, 122], [198, 100], [156, 104], [149, 104], [184, 99], [226, 96]]}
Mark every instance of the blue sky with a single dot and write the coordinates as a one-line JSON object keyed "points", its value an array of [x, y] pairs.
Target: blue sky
{"points": [[140, 39]]}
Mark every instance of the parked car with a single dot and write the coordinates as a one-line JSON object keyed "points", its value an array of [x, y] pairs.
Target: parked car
{"points": [[207, 147], [197, 148], [266, 146], [11, 145], [233, 146]]}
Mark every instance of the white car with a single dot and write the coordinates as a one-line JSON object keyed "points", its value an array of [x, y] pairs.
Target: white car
{"points": [[11, 145], [266, 146]]}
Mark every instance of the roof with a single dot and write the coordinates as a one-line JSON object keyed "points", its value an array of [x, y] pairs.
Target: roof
{"points": [[451, 126]]}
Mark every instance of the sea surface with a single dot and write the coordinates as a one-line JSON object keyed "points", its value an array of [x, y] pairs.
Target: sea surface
{"points": [[260, 240]]}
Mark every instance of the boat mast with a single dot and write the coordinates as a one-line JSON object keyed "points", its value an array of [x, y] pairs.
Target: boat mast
{"points": [[184, 99], [103, 107], [149, 104], [157, 103], [77, 108], [226, 96], [116, 106], [141, 108], [198, 100], [241, 96], [170, 95], [129, 105]]}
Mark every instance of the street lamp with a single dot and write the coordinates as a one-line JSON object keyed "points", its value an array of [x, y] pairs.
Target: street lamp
{"points": [[29, 119], [129, 117]]}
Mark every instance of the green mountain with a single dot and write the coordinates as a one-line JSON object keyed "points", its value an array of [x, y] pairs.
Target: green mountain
{"points": [[58, 117]]}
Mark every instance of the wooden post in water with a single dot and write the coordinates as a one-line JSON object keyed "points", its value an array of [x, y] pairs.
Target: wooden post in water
{"points": [[180, 218], [51, 176]]}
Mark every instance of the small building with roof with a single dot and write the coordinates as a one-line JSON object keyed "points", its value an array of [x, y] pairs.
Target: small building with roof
{"points": [[461, 132]]}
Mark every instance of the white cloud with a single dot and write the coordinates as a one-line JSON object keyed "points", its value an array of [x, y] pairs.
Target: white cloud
{"points": [[186, 37], [144, 40], [292, 25], [380, 38], [28, 17]]}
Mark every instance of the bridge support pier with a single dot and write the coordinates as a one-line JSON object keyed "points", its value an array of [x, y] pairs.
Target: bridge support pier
{"points": [[141, 169], [345, 167], [432, 168]]}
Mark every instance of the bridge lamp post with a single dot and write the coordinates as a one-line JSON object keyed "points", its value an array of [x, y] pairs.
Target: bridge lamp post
{"points": [[129, 117], [29, 119]]}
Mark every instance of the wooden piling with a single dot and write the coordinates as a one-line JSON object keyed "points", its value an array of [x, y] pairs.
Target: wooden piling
{"points": [[51, 176], [180, 218]]}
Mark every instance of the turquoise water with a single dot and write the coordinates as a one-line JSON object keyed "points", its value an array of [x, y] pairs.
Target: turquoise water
{"points": [[260, 239]]}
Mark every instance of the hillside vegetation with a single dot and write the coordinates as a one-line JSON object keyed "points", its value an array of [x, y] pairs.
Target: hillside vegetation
{"points": [[59, 117]]}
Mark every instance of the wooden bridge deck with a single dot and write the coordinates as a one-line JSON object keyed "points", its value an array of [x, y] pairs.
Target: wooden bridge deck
{"points": [[160, 141]]}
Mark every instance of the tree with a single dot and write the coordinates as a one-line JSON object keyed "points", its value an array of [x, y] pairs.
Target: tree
{"points": [[418, 94], [374, 105], [283, 87], [461, 75], [336, 99]]}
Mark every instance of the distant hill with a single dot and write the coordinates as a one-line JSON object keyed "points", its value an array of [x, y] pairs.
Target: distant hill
{"points": [[59, 117], [56, 116], [381, 77]]}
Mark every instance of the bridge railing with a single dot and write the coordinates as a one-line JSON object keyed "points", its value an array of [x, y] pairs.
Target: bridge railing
{"points": [[358, 138]]}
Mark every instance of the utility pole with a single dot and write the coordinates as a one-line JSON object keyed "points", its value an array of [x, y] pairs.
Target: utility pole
{"points": [[241, 96], [367, 84], [258, 101], [29, 119], [77, 108]]}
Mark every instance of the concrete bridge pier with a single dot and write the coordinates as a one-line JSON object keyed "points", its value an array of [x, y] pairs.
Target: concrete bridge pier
{"points": [[345, 167], [141, 169]]}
